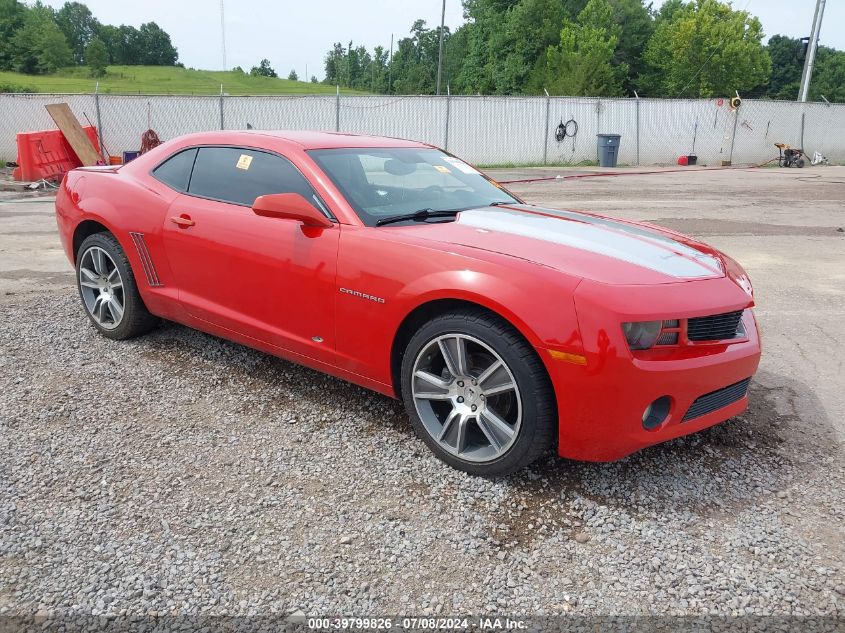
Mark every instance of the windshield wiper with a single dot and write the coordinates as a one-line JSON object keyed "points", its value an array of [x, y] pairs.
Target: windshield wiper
{"points": [[422, 214]]}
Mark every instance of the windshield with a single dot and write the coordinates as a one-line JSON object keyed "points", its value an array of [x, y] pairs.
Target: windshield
{"points": [[384, 182]]}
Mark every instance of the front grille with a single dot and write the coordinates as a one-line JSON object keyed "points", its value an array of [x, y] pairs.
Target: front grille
{"points": [[714, 328], [715, 400]]}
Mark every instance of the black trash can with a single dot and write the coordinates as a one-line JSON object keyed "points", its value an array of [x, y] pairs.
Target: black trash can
{"points": [[608, 149]]}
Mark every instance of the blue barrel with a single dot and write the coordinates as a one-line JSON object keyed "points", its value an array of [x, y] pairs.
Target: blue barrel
{"points": [[608, 149]]}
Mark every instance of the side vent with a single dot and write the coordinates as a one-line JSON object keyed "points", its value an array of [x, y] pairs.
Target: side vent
{"points": [[146, 261]]}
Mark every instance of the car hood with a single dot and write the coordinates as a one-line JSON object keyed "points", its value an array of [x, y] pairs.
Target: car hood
{"points": [[582, 244]]}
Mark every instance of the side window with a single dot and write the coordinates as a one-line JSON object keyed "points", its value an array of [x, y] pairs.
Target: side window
{"points": [[241, 175], [175, 172]]}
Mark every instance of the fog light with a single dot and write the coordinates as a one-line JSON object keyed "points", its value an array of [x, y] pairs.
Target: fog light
{"points": [[656, 413]]}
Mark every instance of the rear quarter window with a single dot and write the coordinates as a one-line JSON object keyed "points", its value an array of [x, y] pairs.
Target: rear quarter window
{"points": [[175, 172]]}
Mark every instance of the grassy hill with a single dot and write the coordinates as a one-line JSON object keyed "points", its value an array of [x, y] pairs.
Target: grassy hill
{"points": [[159, 80]]}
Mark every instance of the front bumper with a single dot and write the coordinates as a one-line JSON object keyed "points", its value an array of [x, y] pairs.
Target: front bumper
{"points": [[601, 404]]}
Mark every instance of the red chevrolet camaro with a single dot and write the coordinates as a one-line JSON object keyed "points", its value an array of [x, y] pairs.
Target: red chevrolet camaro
{"points": [[505, 328]]}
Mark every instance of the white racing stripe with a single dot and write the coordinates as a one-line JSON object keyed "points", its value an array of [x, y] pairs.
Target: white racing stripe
{"points": [[598, 235]]}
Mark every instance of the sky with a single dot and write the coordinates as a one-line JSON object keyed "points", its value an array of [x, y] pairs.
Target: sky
{"points": [[296, 34]]}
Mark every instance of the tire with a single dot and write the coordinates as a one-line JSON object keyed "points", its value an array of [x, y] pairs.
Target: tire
{"points": [[464, 410], [108, 289]]}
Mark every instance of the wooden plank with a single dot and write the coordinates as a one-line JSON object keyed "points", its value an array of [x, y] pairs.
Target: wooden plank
{"points": [[75, 135]]}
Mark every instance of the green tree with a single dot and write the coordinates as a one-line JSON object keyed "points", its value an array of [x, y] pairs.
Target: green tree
{"points": [[155, 47], [124, 44], [12, 16], [314, 79], [505, 38], [131, 45], [668, 10], [292, 76], [828, 75], [455, 49], [356, 69], [97, 57], [79, 27], [414, 66], [39, 47], [704, 49], [635, 27], [109, 35], [54, 53], [474, 76], [528, 29], [582, 63], [149, 46], [333, 61], [264, 69], [787, 64], [787, 56]]}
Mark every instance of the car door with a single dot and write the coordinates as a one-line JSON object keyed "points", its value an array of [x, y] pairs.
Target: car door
{"points": [[270, 279]]}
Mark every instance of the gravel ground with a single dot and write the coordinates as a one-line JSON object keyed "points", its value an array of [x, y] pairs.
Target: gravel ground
{"points": [[179, 473]]}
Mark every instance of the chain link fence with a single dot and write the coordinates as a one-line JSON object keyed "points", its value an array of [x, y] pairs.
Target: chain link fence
{"points": [[482, 130]]}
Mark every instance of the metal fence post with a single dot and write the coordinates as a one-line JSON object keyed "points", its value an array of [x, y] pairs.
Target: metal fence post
{"points": [[448, 113], [546, 128], [598, 126], [803, 116], [733, 137], [99, 118], [222, 125], [638, 126], [337, 110]]}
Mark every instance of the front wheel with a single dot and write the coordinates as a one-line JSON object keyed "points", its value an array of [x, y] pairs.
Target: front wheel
{"points": [[108, 290], [477, 393]]}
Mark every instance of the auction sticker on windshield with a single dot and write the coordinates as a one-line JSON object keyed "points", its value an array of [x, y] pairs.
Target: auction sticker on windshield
{"points": [[460, 165]]}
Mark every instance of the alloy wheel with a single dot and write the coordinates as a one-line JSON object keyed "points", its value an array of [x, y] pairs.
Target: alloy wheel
{"points": [[102, 287], [466, 397]]}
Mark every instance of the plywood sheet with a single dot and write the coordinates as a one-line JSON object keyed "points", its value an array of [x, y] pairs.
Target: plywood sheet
{"points": [[75, 135]]}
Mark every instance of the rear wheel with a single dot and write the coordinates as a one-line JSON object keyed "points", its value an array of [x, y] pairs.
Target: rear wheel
{"points": [[477, 394], [108, 290]]}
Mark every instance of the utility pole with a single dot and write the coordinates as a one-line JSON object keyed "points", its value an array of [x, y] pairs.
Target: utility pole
{"points": [[440, 53], [390, 67], [223, 33], [807, 75]]}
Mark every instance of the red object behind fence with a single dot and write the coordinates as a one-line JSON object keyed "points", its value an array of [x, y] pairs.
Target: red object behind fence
{"points": [[46, 154]]}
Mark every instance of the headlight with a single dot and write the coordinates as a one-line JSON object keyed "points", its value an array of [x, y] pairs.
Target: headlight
{"points": [[642, 334]]}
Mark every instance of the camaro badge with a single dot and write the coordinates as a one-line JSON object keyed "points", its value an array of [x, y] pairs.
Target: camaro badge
{"points": [[362, 295]]}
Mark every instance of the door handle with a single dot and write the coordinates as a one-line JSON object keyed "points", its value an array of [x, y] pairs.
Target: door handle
{"points": [[182, 220]]}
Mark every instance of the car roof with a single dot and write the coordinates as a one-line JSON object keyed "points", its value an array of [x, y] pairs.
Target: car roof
{"points": [[305, 138]]}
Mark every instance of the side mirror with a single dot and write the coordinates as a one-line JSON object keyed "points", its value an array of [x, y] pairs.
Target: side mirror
{"points": [[291, 206]]}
